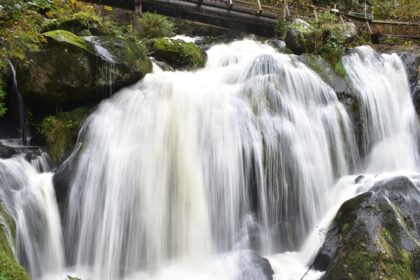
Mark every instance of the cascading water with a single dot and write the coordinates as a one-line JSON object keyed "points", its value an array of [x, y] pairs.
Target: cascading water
{"points": [[239, 155], [29, 198], [181, 175], [391, 128], [16, 131]]}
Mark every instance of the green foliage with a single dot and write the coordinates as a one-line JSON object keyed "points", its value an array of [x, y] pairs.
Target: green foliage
{"points": [[60, 131], [332, 50], [156, 26], [178, 54], [327, 18], [403, 10], [281, 27], [21, 23]]}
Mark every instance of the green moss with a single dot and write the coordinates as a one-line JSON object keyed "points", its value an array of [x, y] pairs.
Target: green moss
{"points": [[77, 23], [60, 132], [345, 228], [10, 269], [178, 54], [64, 36], [363, 256], [340, 69]]}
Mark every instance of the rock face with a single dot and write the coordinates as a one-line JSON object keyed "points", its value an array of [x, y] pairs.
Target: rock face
{"points": [[73, 71], [412, 66], [341, 86], [295, 36], [63, 177], [178, 54], [254, 267], [375, 235]]}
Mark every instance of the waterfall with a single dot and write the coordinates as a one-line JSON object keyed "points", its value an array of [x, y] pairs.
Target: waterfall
{"points": [[239, 155], [391, 127], [17, 104], [29, 198], [190, 175]]}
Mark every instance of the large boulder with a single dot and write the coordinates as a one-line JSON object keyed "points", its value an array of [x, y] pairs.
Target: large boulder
{"points": [[375, 235], [296, 36], [254, 267], [72, 71], [342, 32], [78, 23], [177, 53]]}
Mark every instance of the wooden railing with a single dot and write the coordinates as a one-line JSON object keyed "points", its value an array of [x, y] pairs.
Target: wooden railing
{"points": [[290, 9], [396, 29]]}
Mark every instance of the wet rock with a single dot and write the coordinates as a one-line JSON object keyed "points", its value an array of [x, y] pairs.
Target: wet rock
{"points": [[375, 235], [326, 72], [342, 32], [412, 65], [7, 152], [295, 36], [63, 177], [294, 41], [276, 43], [254, 267], [72, 71]]}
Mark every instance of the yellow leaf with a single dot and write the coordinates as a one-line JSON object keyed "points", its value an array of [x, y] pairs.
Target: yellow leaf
{"points": [[49, 14], [108, 8]]}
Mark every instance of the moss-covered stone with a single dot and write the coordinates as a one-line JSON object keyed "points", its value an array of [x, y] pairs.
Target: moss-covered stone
{"points": [[370, 238], [67, 37], [79, 23], [60, 132], [72, 71], [178, 54], [10, 269]]}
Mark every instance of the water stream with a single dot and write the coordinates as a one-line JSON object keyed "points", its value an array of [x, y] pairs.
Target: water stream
{"points": [[187, 175]]}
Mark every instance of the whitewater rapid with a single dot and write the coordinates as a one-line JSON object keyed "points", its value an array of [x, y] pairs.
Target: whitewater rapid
{"points": [[189, 175]]}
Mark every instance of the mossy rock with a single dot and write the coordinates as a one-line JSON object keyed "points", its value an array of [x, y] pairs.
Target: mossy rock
{"points": [[10, 269], [178, 54], [60, 132], [375, 235], [79, 23], [72, 71]]}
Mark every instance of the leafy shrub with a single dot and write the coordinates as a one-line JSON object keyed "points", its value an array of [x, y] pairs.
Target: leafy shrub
{"points": [[156, 26], [281, 27], [60, 132], [327, 18]]}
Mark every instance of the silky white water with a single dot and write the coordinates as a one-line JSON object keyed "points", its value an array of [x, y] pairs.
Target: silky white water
{"points": [[29, 198], [187, 174], [391, 128]]}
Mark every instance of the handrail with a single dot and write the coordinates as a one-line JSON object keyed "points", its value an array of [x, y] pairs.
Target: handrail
{"points": [[286, 9]]}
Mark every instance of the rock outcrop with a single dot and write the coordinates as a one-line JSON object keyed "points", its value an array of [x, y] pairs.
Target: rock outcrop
{"points": [[375, 235]]}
